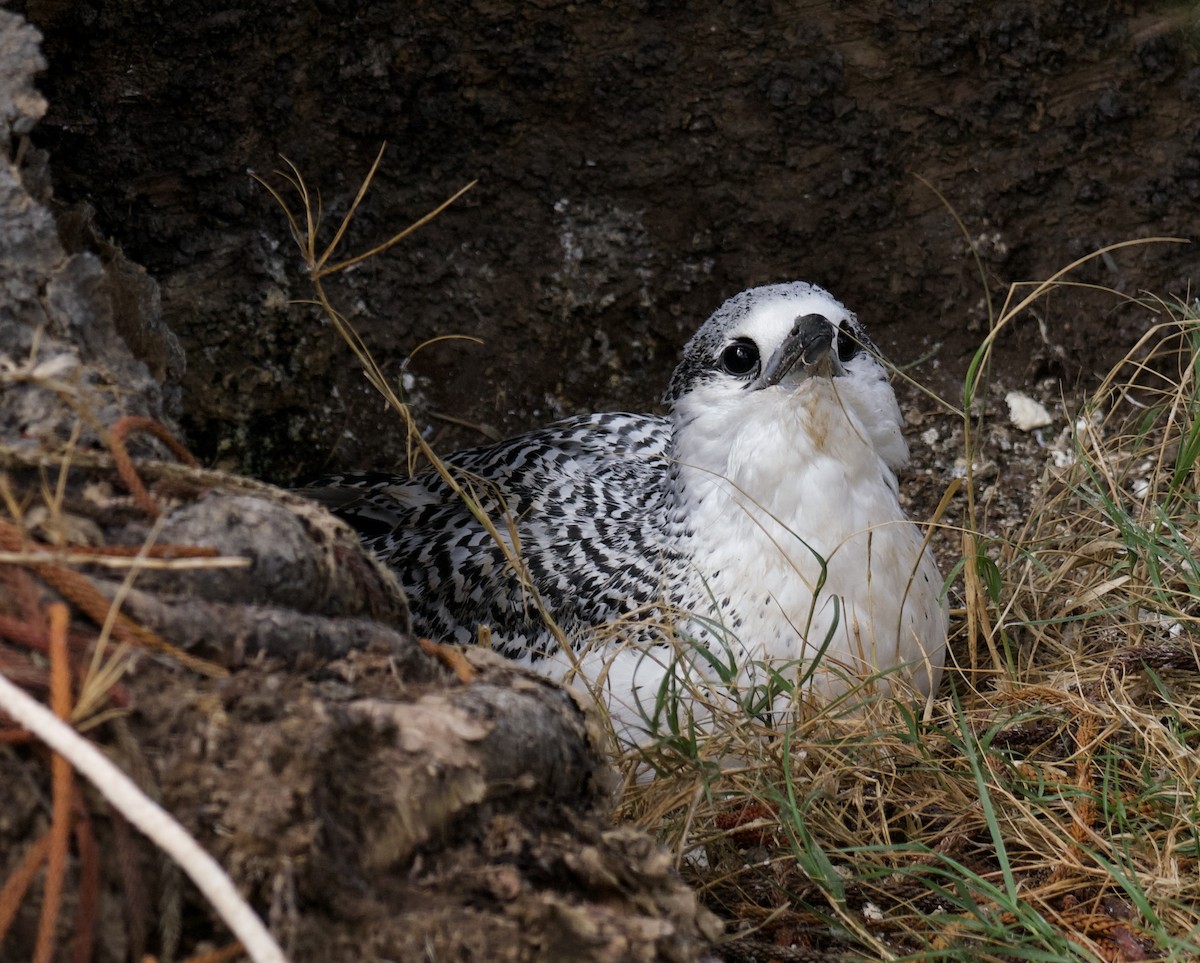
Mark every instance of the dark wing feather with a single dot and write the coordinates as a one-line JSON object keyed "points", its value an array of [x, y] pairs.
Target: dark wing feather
{"points": [[586, 497]]}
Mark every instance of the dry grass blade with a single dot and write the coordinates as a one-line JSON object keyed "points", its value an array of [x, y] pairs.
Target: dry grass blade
{"points": [[89, 882], [305, 231], [124, 464], [32, 558], [63, 791], [12, 893]]}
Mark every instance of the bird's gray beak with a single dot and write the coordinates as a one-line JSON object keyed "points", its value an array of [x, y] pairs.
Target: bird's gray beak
{"points": [[805, 353]]}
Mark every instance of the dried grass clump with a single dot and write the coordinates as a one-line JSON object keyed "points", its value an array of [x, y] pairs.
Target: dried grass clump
{"points": [[1048, 807]]}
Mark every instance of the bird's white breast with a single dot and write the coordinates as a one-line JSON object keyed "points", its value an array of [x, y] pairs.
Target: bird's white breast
{"points": [[794, 534]]}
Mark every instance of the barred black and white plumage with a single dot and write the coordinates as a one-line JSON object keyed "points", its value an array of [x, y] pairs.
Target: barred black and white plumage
{"points": [[587, 498], [760, 516]]}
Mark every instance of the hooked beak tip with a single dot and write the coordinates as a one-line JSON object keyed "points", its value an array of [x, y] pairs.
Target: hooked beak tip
{"points": [[805, 353]]}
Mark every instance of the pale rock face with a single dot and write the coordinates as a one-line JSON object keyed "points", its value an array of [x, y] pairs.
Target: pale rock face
{"points": [[759, 521]]}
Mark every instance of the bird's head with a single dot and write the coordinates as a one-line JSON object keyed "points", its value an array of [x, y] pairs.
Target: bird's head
{"points": [[779, 351]]}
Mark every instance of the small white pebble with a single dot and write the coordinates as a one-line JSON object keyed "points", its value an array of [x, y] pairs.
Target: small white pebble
{"points": [[1025, 413], [1062, 458]]}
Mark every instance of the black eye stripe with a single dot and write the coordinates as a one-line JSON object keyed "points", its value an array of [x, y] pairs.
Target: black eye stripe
{"points": [[740, 358]]}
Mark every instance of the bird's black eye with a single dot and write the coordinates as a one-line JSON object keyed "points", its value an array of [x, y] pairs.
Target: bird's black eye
{"points": [[848, 344], [740, 358]]}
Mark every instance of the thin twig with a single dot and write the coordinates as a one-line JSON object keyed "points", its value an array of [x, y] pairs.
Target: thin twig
{"points": [[62, 781], [15, 887], [89, 882], [124, 464]]}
